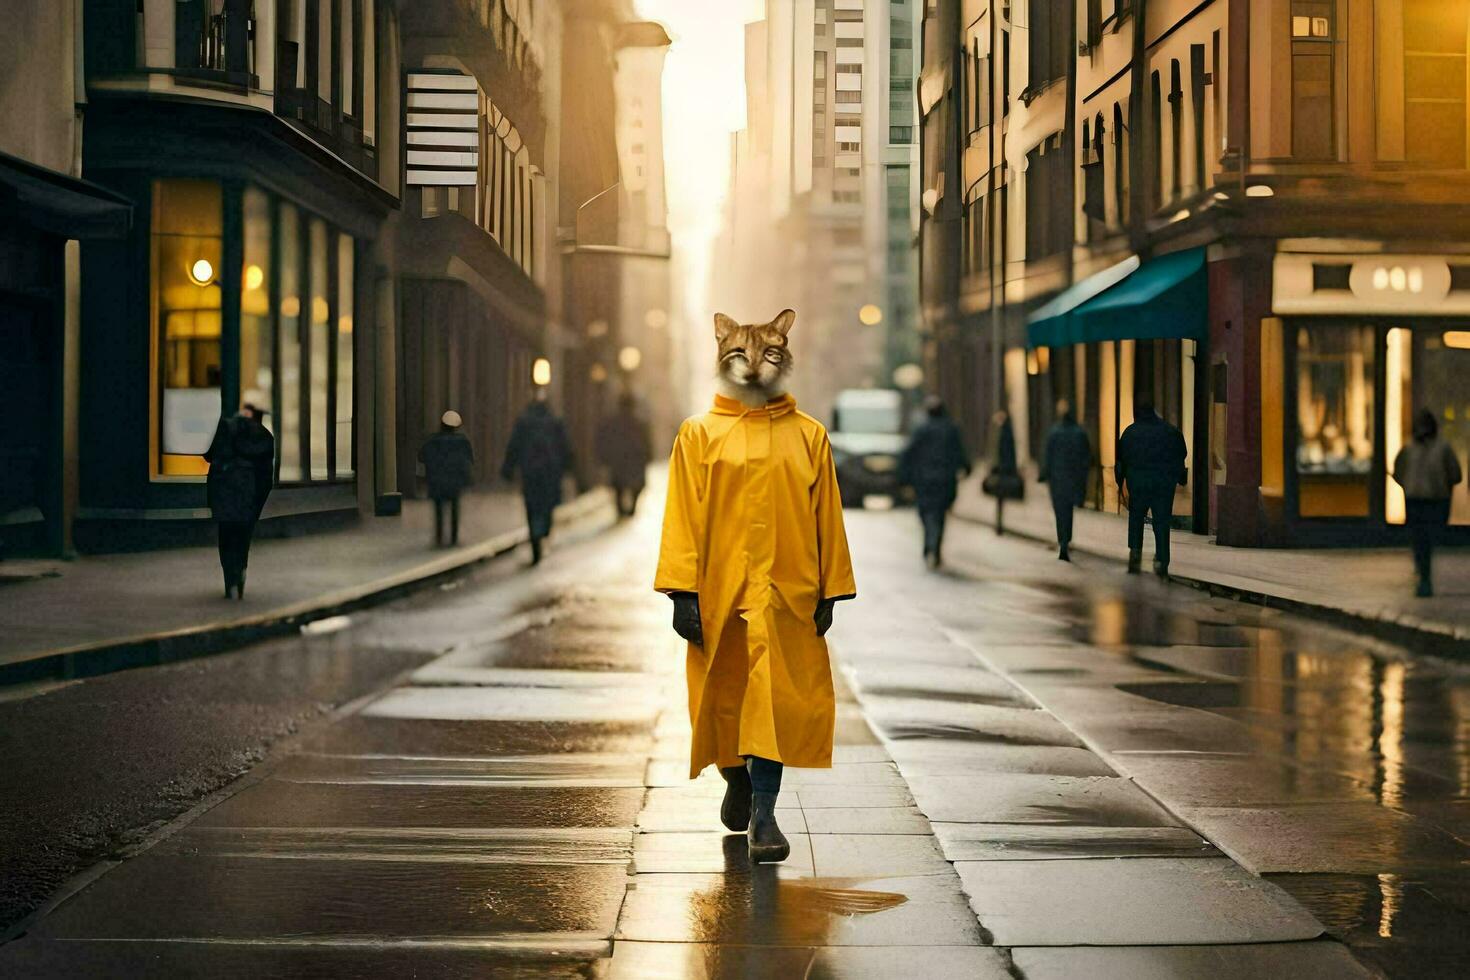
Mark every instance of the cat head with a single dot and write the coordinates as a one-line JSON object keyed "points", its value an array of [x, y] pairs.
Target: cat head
{"points": [[754, 360]]}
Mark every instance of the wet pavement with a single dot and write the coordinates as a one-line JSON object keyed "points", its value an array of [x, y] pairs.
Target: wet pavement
{"points": [[1041, 771]]}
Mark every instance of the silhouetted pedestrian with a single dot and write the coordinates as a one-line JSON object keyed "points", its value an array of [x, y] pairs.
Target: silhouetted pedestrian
{"points": [[240, 448], [930, 464], [1065, 465], [539, 448], [1429, 471], [1003, 482], [1150, 464], [624, 447], [449, 467]]}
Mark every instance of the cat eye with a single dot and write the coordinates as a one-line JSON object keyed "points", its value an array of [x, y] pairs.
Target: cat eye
{"points": [[735, 350], [775, 354]]}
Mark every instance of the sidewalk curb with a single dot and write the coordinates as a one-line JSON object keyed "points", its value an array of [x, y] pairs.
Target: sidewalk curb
{"points": [[1450, 641], [171, 646]]}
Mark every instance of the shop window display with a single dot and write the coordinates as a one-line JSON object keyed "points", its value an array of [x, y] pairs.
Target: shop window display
{"points": [[1335, 415], [187, 240]]}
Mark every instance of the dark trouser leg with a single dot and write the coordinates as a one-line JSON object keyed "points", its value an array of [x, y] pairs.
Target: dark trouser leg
{"points": [[1137, 511], [454, 520], [1162, 509], [438, 521], [1425, 518], [765, 775], [932, 519], [234, 548], [1062, 509]]}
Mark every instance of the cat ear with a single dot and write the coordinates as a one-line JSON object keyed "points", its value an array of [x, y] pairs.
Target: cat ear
{"points": [[723, 326], [784, 320]]}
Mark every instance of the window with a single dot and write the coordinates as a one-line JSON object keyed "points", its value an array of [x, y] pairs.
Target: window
{"points": [[1048, 201], [257, 327], [1093, 37], [288, 418], [900, 134], [1176, 130], [1434, 81], [1156, 144], [1047, 40], [214, 36], [1312, 81], [855, 97], [1120, 165], [187, 245], [1334, 391], [318, 349], [1094, 197], [342, 434], [1197, 82]]}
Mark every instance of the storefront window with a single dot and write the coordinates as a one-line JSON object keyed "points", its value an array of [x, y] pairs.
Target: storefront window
{"points": [[288, 418], [257, 330], [1441, 368], [319, 346], [344, 356], [187, 239], [1335, 435]]}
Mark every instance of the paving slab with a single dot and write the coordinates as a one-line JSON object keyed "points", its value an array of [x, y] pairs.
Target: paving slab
{"points": [[497, 845], [905, 718], [525, 770], [900, 678], [198, 897], [1212, 779], [706, 961], [1130, 902], [1031, 842], [959, 757], [1239, 962], [877, 855], [61, 959], [543, 704], [1329, 837], [277, 803], [493, 739], [766, 910], [866, 820], [1026, 798]]}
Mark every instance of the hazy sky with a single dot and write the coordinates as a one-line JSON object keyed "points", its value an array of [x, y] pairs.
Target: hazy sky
{"points": [[704, 102]]}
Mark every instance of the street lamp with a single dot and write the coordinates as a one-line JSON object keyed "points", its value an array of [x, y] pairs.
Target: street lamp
{"points": [[201, 272], [541, 372], [871, 315], [629, 358]]}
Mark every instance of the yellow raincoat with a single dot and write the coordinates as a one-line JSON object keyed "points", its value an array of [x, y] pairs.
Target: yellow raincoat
{"points": [[753, 524]]}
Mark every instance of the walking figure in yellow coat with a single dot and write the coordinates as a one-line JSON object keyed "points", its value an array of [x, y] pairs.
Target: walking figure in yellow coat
{"points": [[754, 556]]}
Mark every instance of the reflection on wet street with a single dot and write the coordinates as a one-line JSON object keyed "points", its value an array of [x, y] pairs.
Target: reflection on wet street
{"points": [[1041, 771]]}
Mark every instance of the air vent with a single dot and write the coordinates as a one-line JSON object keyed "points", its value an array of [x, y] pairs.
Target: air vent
{"points": [[1459, 278]]}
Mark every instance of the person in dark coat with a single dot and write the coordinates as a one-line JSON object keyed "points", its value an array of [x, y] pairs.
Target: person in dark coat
{"points": [[1003, 482], [449, 462], [240, 449], [1429, 471], [1065, 465], [624, 447], [930, 464], [1150, 464], [540, 450]]}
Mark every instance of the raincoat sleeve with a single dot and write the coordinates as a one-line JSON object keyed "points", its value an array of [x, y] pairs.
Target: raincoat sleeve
{"points": [[678, 554], [835, 568]]}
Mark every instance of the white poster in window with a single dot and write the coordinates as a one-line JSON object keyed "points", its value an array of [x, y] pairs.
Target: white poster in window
{"points": [[189, 419]]}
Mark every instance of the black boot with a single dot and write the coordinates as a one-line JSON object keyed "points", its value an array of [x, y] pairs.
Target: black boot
{"points": [[735, 810], [1063, 554], [764, 840], [240, 585], [1161, 569], [1135, 561], [535, 551]]}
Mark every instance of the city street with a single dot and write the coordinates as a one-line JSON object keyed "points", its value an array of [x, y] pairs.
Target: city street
{"points": [[1041, 770]]}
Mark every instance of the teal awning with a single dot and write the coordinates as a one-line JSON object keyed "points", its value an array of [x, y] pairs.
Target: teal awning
{"points": [[1165, 297]]}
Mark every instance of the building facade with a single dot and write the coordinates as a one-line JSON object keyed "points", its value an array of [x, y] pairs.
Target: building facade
{"points": [[1251, 235]]}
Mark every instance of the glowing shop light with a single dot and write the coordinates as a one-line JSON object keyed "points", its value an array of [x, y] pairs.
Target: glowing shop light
{"points": [[870, 315], [541, 372], [201, 272]]}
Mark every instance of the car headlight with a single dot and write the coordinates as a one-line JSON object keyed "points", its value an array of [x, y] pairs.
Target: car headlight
{"points": [[880, 464]]}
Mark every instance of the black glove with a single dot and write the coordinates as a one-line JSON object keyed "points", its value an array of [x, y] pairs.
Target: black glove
{"points": [[686, 617], [823, 615]]}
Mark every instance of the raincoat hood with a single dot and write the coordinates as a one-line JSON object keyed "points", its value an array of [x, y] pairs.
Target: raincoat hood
{"points": [[775, 408]]}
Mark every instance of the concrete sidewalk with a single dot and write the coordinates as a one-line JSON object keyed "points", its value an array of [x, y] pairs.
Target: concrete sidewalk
{"points": [[1374, 586], [106, 612]]}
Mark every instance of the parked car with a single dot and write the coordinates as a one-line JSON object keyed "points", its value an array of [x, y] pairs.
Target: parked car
{"points": [[867, 440]]}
